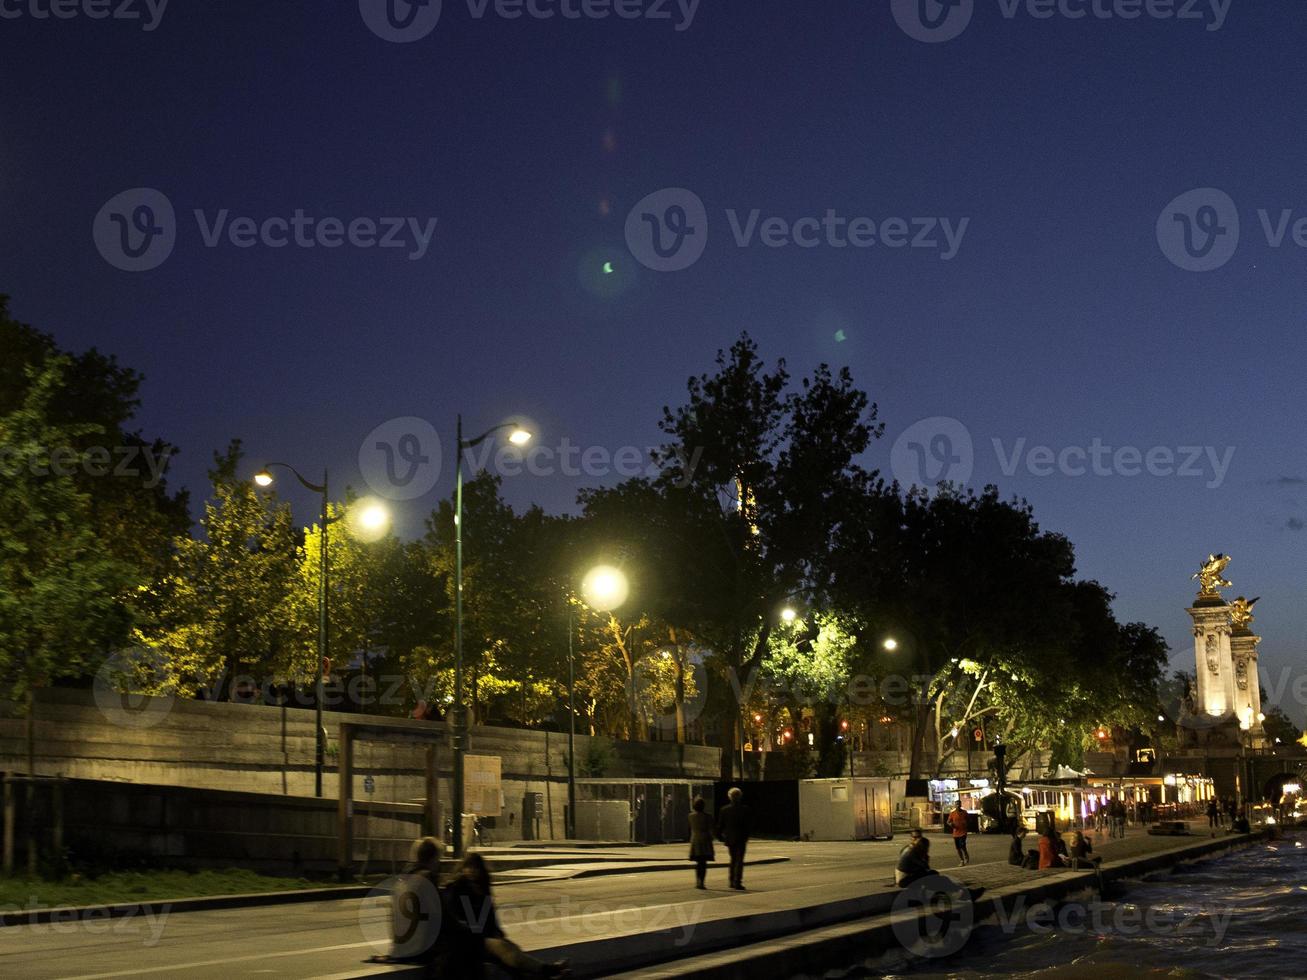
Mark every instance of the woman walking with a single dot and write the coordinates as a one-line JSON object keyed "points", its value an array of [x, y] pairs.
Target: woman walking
{"points": [[701, 847]]}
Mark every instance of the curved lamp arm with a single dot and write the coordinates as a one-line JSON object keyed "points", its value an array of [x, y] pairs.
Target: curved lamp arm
{"points": [[307, 484]]}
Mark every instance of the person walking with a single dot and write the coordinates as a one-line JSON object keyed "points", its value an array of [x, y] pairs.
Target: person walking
{"points": [[957, 820], [701, 849], [733, 826], [1213, 815]]}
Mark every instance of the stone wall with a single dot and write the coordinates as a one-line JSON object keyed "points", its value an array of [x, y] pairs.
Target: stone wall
{"points": [[268, 750], [129, 824]]}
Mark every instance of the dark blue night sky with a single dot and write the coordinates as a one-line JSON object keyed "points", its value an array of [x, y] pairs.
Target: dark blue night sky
{"points": [[1059, 321]]}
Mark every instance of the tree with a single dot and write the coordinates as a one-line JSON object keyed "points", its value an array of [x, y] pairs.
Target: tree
{"points": [[376, 604], [513, 605], [807, 668], [122, 473], [225, 602], [759, 475], [65, 600], [973, 594], [1279, 727]]}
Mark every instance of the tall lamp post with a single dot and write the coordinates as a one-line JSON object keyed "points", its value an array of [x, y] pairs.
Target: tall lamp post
{"points": [[374, 517], [604, 589], [518, 437]]}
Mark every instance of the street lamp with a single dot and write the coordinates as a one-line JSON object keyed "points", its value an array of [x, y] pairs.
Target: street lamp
{"points": [[789, 614], [890, 644], [518, 437], [370, 519], [603, 589], [375, 518]]}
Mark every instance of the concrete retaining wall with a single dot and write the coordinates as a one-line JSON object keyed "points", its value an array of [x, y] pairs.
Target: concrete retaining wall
{"points": [[268, 750], [182, 826]]}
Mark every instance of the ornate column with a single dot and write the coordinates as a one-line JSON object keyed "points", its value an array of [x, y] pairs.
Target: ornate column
{"points": [[1213, 662], [1243, 649]]}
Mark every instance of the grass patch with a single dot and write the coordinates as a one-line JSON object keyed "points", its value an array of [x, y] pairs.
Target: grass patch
{"points": [[141, 886]]}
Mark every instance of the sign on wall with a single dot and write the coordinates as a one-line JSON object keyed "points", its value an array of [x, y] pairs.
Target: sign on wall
{"points": [[481, 785]]}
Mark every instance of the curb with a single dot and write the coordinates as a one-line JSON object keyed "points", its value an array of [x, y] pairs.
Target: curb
{"points": [[670, 866], [126, 910], [834, 947]]}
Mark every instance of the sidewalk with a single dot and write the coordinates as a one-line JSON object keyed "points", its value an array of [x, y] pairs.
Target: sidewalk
{"points": [[561, 860], [606, 924], [868, 941], [824, 885]]}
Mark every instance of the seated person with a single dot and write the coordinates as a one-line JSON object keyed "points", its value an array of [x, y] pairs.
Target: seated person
{"points": [[470, 934], [1016, 852], [415, 907], [912, 840], [914, 862], [1082, 852], [1050, 855]]}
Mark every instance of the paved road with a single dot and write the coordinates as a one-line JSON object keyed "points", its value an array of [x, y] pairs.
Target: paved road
{"points": [[327, 938]]}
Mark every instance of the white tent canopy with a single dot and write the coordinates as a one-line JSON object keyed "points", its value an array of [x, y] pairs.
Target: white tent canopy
{"points": [[1066, 772]]}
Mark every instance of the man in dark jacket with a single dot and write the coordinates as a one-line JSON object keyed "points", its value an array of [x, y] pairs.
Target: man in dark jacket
{"points": [[733, 831]]}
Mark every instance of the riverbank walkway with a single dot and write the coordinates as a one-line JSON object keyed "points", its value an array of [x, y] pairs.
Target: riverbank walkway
{"points": [[631, 911]]}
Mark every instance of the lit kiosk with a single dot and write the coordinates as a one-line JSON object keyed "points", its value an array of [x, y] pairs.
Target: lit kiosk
{"points": [[1225, 708]]}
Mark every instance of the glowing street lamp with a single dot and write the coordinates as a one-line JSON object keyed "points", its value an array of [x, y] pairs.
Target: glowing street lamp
{"points": [[518, 436], [369, 519], [603, 589], [789, 614], [264, 478], [890, 644]]}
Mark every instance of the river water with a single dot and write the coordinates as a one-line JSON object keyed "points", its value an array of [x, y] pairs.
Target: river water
{"points": [[1242, 915]]}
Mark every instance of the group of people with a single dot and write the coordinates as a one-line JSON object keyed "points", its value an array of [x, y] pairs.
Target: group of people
{"points": [[1222, 813], [1053, 850], [1112, 816], [452, 927], [732, 828]]}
